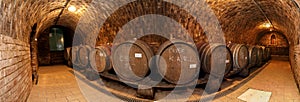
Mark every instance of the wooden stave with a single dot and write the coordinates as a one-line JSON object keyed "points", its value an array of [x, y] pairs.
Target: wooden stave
{"points": [[163, 48]]}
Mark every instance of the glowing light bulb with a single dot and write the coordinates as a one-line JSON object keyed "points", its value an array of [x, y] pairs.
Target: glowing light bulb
{"points": [[72, 8], [267, 25]]}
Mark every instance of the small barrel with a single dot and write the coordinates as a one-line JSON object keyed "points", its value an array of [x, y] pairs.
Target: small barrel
{"points": [[264, 54], [252, 56], [131, 60], [100, 59], [259, 56], [240, 56], [83, 56], [67, 53], [215, 55], [268, 52], [74, 53], [179, 62]]}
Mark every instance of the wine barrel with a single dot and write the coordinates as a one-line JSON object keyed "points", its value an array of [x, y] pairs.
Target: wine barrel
{"points": [[268, 50], [259, 56], [240, 56], [252, 56], [131, 60], [67, 53], [179, 62], [74, 53], [69, 59], [264, 54], [100, 59], [83, 56], [213, 56]]}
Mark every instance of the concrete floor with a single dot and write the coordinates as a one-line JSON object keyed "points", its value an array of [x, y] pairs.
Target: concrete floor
{"points": [[58, 84]]}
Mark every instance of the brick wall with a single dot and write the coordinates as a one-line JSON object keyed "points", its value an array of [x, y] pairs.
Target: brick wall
{"points": [[15, 70]]}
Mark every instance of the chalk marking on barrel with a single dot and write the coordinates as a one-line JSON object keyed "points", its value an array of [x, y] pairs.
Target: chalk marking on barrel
{"points": [[193, 66], [138, 55]]}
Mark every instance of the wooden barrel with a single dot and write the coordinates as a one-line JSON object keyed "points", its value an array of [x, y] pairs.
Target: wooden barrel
{"points": [[100, 59], [240, 57], [259, 56], [67, 53], [179, 62], [131, 60], [74, 53], [268, 51], [215, 55], [83, 56], [264, 54], [69, 60], [252, 56]]}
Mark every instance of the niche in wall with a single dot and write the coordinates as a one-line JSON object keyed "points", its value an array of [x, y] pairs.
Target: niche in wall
{"points": [[277, 42]]}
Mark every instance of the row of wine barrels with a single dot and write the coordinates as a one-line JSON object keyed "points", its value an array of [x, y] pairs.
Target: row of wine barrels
{"points": [[179, 62], [131, 60], [215, 55], [100, 59], [240, 56]]}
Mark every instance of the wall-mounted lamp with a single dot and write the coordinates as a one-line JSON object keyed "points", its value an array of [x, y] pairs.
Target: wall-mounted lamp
{"points": [[72, 8]]}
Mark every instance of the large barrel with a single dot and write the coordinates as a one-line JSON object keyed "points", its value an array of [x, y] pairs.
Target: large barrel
{"points": [[259, 56], [131, 60], [215, 55], [240, 56], [74, 53], [83, 56], [179, 62], [100, 59], [253, 51], [268, 52]]}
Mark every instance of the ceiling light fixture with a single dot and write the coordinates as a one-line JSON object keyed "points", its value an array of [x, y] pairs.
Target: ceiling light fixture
{"points": [[72, 8]]}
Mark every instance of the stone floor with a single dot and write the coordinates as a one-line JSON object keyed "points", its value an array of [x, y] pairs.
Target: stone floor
{"points": [[58, 84], [277, 78]]}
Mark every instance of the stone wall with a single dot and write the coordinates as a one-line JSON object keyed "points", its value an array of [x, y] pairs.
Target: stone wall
{"points": [[15, 70]]}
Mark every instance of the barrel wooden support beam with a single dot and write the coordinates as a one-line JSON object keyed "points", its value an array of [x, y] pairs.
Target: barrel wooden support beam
{"points": [[131, 60], [215, 56], [179, 62], [100, 59]]}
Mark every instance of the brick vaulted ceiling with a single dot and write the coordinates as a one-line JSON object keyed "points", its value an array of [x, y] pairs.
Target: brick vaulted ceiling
{"points": [[239, 18]]}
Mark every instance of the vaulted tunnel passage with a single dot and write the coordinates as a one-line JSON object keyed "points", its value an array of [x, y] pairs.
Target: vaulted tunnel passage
{"points": [[26, 31]]}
